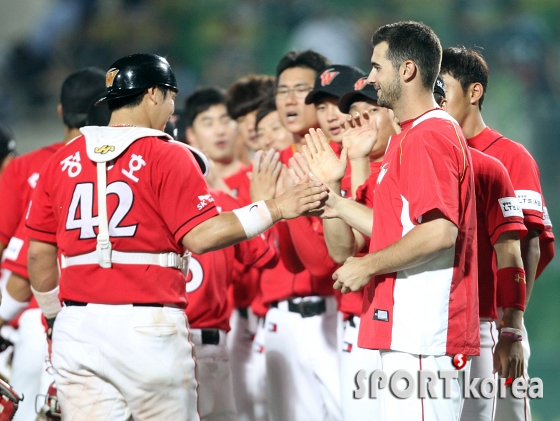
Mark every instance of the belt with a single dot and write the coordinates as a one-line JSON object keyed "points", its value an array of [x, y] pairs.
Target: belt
{"points": [[207, 336], [304, 308], [243, 312], [166, 260], [351, 321], [70, 303]]}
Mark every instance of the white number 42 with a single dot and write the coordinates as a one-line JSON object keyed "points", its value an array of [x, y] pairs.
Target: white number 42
{"points": [[82, 200]]}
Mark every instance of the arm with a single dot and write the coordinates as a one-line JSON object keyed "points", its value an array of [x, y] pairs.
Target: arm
{"points": [[227, 229], [15, 298], [42, 265], [530, 253], [424, 242], [508, 355]]}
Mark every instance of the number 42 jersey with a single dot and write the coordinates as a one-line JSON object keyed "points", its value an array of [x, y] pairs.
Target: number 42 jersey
{"points": [[155, 195]]}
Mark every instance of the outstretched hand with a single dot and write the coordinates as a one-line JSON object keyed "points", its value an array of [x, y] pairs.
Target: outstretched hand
{"points": [[301, 198], [322, 161], [359, 134], [264, 178]]}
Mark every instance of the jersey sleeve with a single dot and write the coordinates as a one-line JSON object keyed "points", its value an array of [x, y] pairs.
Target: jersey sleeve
{"points": [[12, 208], [182, 191], [41, 220], [431, 174]]}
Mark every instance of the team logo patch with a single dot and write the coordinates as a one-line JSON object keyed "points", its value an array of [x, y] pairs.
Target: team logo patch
{"points": [[13, 249], [343, 193], [104, 149], [328, 76], [347, 347], [110, 77], [382, 172], [32, 180], [381, 315], [72, 164], [510, 207], [272, 327], [360, 83], [204, 200]]}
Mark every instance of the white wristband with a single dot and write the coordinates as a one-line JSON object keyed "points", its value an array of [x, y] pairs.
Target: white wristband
{"points": [[255, 218], [10, 307], [48, 302]]}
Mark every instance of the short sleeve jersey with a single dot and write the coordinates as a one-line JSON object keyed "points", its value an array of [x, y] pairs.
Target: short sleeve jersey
{"points": [[432, 308], [16, 185], [522, 170], [211, 274], [497, 211], [155, 195]]}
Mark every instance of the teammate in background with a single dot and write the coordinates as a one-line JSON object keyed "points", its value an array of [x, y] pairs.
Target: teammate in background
{"points": [[420, 273], [365, 150], [301, 324], [7, 148], [270, 131], [123, 285], [208, 312], [211, 129], [500, 268], [465, 74], [243, 98], [79, 91]]}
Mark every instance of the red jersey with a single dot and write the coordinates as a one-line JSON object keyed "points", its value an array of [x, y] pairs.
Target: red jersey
{"points": [[210, 274], [16, 185], [431, 308], [352, 302], [155, 195], [240, 185], [497, 211], [546, 242], [522, 170]]}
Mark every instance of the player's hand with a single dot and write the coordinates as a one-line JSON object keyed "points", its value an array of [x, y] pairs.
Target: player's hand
{"points": [[359, 135], [508, 358], [352, 276], [264, 178], [300, 199], [299, 171], [284, 181], [322, 161]]}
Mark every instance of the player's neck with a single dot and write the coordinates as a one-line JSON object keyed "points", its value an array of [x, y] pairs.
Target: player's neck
{"points": [[414, 105], [228, 168], [130, 117], [70, 134], [472, 124]]}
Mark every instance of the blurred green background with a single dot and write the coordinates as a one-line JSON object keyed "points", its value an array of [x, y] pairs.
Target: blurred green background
{"points": [[217, 41]]}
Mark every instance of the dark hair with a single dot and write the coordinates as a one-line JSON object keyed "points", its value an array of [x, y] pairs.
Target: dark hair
{"points": [[467, 66], [79, 91], [99, 115], [134, 100], [246, 94], [308, 59], [412, 41], [200, 100], [267, 107]]}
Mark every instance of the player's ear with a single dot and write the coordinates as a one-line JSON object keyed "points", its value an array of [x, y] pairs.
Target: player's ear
{"points": [[151, 94], [476, 91], [59, 110], [408, 70]]}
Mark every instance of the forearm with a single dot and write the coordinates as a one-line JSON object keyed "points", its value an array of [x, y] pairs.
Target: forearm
{"points": [[360, 173], [42, 265], [356, 215], [19, 288], [424, 242], [340, 239], [530, 253], [511, 292]]}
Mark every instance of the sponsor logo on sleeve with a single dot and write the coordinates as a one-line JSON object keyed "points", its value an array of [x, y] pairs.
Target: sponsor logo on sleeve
{"points": [[546, 218], [13, 249], [510, 207], [204, 200], [529, 200]]}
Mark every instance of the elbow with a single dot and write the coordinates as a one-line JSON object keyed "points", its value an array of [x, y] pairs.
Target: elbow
{"points": [[448, 237], [197, 246], [339, 257]]}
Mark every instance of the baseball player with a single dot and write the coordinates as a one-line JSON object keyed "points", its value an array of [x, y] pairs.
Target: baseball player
{"points": [[270, 131], [420, 303], [500, 271], [301, 324], [465, 74], [7, 147], [79, 91], [120, 204]]}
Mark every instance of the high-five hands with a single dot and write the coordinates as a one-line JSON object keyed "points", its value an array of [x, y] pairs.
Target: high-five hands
{"points": [[322, 161], [264, 178], [359, 134]]}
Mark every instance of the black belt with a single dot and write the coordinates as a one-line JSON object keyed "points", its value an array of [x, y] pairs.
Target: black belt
{"points": [[243, 312], [69, 303], [351, 321], [305, 308], [210, 336]]}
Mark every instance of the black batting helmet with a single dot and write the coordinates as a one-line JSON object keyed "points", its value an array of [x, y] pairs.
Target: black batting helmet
{"points": [[134, 74]]}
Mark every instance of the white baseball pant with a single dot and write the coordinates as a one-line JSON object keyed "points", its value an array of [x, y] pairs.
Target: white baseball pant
{"points": [[352, 360], [122, 362], [259, 373], [303, 368], [213, 372]]}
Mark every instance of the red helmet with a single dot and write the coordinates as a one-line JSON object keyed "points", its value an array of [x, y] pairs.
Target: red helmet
{"points": [[9, 401], [51, 409]]}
